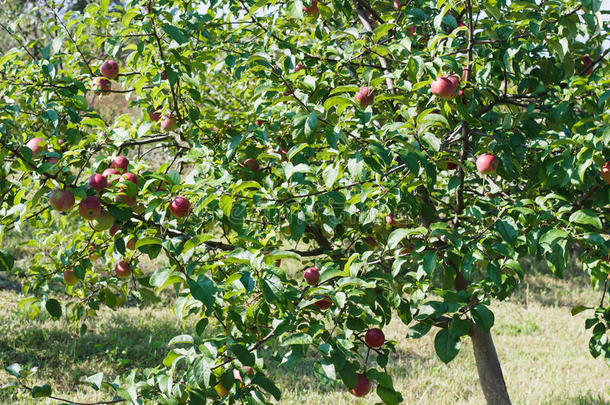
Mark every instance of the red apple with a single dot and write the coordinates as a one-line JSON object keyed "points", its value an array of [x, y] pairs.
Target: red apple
{"points": [[363, 386], [37, 146], [312, 9], [163, 74], [299, 66], [374, 337], [324, 303], [397, 4], [606, 172], [445, 86], [365, 96], [110, 172], [220, 390], [109, 69], [180, 207], [61, 200], [131, 244], [122, 270], [487, 164], [114, 229], [131, 177], [93, 254], [90, 207], [371, 242], [312, 276], [104, 221], [154, 115], [411, 30], [251, 164], [389, 219], [168, 123], [70, 277], [587, 61], [98, 182], [119, 163], [102, 85]]}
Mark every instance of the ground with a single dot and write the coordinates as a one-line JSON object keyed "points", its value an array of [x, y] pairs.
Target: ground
{"points": [[542, 348]]}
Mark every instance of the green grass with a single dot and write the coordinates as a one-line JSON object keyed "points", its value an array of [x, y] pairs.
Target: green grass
{"points": [[543, 350]]}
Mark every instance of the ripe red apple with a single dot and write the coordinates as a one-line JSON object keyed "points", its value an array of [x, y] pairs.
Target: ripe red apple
{"points": [[154, 115], [109, 69], [251, 164], [312, 9], [606, 172], [324, 303], [371, 242], [374, 337], [119, 163], [110, 172], [486, 163], [445, 86], [397, 4], [299, 66], [104, 221], [52, 160], [90, 207], [37, 146], [587, 61], [70, 277], [122, 270], [168, 123], [389, 219], [131, 244], [98, 182], [163, 74], [312, 276], [365, 96], [114, 229], [180, 207], [131, 177], [102, 85], [363, 386], [61, 200]]}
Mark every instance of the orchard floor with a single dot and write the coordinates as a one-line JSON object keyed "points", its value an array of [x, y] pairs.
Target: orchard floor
{"points": [[542, 348]]}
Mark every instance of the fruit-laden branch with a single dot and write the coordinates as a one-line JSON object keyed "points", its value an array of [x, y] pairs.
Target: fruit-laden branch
{"points": [[367, 26], [25, 161]]}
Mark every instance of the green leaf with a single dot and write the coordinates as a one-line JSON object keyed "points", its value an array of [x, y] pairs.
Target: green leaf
{"points": [[243, 354], [297, 339], [268, 386], [203, 290], [148, 241], [54, 308], [399, 234], [6, 261], [389, 395], [578, 309], [181, 339], [419, 329], [175, 33], [95, 380], [483, 317], [446, 345], [14, 370], [508, 229], [586, 217], [41, 391], [225, 204], [311, 123]]}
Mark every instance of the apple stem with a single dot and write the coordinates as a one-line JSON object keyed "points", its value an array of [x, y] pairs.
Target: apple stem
{"points": [[366, 361]]}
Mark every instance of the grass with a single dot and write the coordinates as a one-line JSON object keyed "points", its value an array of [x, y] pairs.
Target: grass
{"points": [[543, 350]]}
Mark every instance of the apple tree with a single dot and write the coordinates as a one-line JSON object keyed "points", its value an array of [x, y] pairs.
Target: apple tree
{"points": [[406, 156]]}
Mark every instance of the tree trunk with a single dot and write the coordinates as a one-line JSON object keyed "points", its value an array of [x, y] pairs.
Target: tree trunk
{"points": [[488, 367]]}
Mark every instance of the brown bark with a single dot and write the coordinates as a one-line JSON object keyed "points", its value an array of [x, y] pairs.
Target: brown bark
{"points": [[488, 367]]}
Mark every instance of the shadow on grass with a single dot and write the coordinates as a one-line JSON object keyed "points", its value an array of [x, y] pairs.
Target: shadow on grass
{"points": [[585, 399], [112, 347]]}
